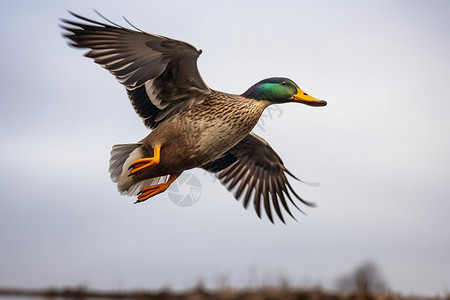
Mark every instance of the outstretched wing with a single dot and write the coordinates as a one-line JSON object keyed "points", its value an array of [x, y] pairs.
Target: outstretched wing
{"points": [[160, 74], [253, 165]]}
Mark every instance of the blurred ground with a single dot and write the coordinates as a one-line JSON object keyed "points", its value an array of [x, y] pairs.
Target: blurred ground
{"points": [[201, 294]]}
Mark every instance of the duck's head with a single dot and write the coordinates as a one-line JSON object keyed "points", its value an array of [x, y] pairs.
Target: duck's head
{"points": [[281, 90]]}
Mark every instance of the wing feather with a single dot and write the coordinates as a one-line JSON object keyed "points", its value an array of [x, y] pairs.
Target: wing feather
{"points": [[160, 74], [253, 166]]}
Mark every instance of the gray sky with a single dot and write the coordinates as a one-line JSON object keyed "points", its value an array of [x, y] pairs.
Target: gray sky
{"points": [[379, 149]]}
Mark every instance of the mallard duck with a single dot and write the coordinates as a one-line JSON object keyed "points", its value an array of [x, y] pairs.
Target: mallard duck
{"points": [[192, 125]]}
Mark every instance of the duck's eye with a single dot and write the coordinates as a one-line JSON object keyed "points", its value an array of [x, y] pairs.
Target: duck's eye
{"points": [[283, 83]]}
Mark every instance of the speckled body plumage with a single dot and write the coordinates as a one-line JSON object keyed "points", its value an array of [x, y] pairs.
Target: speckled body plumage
{"points": [[201, 134]]}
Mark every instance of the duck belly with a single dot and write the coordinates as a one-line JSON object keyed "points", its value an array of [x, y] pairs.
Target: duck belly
{"points": [[189, 149], [187, 145]]}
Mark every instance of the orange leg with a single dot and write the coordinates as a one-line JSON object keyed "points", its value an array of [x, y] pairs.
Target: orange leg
{"points": [[143, 164], [153, 190]]}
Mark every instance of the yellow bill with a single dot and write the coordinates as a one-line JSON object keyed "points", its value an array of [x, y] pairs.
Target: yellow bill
{"points": [[304, 98]]}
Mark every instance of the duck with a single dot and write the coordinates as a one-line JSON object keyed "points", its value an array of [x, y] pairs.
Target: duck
{"points": [[192, 125]]}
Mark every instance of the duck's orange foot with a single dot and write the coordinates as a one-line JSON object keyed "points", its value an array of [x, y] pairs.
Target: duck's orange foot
{"points": [[153, 190], [141, 165]]}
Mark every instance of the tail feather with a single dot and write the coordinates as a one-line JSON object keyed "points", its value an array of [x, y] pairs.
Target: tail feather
{"points": [[119, 155]]}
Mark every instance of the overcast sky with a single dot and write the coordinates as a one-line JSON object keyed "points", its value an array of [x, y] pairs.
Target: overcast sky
{"points": [[379, 149]]}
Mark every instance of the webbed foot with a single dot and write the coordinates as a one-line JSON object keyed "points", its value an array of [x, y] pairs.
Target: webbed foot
{"points": [[153, 190], [141, 165]]}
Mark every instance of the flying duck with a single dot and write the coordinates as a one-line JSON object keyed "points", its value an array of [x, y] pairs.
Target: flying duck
{"points": [[192, 125]]}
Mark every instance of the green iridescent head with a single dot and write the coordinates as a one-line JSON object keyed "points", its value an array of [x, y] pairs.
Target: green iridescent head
{"points": [[281, 90]]}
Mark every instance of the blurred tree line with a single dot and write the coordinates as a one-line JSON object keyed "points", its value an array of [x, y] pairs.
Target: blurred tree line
{"points": [[365, 279]]}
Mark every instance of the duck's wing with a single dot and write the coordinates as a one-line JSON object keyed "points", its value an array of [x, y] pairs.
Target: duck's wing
{"points": [[254, 165], [160, 74]]}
